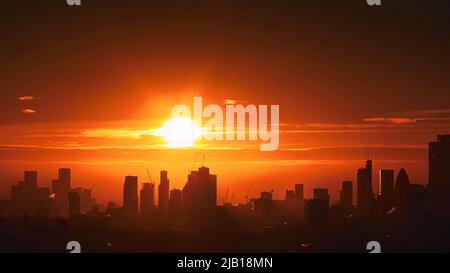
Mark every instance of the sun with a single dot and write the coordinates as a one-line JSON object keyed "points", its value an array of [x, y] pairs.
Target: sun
{"points": [[180, 132]]}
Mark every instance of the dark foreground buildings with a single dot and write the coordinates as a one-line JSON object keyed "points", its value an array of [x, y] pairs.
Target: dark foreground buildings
{"points": [[189, 219]]}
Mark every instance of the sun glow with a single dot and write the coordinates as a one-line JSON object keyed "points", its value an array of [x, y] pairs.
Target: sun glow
{"points": [[180, 132]]}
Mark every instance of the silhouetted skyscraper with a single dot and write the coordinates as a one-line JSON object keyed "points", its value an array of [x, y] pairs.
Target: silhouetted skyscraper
{"points": [[386, 186], [163, 193], [74, 203], [175, 200], [201, 188], [416, 206], [61, 187], [439, 165], [55, 186], [322, 194], [364, 197], [175, 207], [130, 196], [346, 196], [299, 192], [27, 198], [300, 199], [147, 199], [401, 191], [30, 179], [370, 173], [64, 179], [200, 196], [266, 195], [290, 195]]}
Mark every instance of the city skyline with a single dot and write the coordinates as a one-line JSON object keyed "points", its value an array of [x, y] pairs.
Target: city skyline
{"points": [[87, 92], [399, 208], [145, 184], [234, 126], [363, 187]]}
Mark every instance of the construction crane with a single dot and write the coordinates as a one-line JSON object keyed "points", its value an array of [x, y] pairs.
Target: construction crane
{"points": [[149, 176], [193, 164]]}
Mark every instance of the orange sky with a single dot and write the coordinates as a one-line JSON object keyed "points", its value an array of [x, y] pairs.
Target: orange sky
{"points": [[81, 88]]}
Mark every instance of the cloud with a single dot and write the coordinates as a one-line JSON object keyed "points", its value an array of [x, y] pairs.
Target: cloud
{"points": [[116, 133], [28, 111], [363, 146], [428, 112], [232, 102], [391, 120], [24, 98]]}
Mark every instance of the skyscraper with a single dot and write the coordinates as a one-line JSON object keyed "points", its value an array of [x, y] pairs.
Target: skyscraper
{"points": [[200, 196], [299, 199], [55, 186], [299, 192], [322, 194], [61, 188], [290, 195], [175, 201], [130, 196], [28, 198], [163, 193], [74, 203], [175, 206], [416, 211], [30, 179], [64, 179], [201, 189], [370, 173], [364, 195], [386, 186], [401, 191], [346, 196], [439, 165], [147, 199]]}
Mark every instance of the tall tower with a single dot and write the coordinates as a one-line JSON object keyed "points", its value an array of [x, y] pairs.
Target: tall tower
{"points": [[64, 179], [402, 190], [74, 203], [163, 193], [30, 179], [130, 196], [147, 199], [386, 186], [200, 196], [346, 196], [322, 194], [439, 165], [299, 192], [369, 170], [364, 195]]}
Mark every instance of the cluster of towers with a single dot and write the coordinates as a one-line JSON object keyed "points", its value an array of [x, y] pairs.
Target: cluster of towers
{"points": [[197, 196], [196, 201], [61, 200]]}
